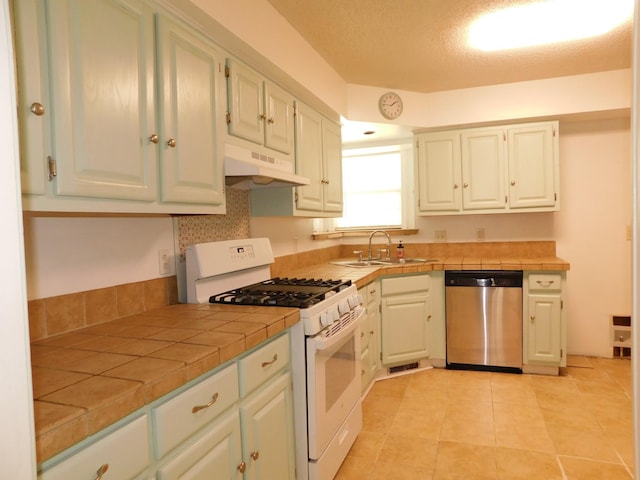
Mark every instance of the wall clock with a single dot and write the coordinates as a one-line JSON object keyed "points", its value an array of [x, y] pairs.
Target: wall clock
{"points": [[390, 105]]}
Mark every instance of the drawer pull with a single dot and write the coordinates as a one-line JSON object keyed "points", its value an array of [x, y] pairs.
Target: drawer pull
{"points": [[197, 408], [102, 470], [266, 364], [242, 467], [545, 284], [255, 455]]}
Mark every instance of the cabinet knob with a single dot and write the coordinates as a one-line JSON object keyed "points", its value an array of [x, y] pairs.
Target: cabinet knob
{"points": [[271, 120], [153, 138], [171, 142], [101, 471], [513, 182], [263, 116], [255, 455], [465, 185], [455, 185], [533, 317], [242, 467], [37, 109], [213, 400]]}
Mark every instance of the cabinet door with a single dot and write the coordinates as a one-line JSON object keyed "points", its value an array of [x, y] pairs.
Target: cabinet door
{"points": [[267, 432], [405, 324], [309, 158], [190, 150], [216, 455], [102, 86], [439, 172], [533, 152], [332, 163], [245, 102], [31, 64], [483, 169], [544, 329], [279, 130]]}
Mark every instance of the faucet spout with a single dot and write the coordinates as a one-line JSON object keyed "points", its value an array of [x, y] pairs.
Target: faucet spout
{"points": [[370, 255]]}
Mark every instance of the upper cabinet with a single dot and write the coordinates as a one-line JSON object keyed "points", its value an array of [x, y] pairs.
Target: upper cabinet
{"points": [[488, 170], [258, 110], [318, 153], [102, 142]]}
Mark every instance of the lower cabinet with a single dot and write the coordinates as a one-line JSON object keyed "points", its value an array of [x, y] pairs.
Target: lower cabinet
{"points": [[370, 337], [412, 318], [235, 423], [544, 320]]}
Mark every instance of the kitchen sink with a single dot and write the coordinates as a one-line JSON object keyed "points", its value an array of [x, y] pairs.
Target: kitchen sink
{"points": [[383, 263]]}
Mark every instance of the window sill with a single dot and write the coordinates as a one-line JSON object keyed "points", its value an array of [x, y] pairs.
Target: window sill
{"points": [[362, 233]]}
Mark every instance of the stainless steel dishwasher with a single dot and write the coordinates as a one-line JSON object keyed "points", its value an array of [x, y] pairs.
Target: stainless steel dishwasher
{"points": [[484, 320]]}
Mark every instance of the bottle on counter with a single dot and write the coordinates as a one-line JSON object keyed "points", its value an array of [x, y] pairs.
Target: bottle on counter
{"points": [[400, 251]]}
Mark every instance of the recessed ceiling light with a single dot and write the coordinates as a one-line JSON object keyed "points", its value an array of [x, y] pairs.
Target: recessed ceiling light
{"points": [[545, 22]]}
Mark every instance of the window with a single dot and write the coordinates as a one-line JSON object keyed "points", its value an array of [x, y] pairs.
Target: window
{"points": [[376, 187]]}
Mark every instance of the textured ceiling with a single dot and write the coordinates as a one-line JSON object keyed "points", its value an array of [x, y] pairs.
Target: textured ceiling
{"points": [[419, 45]]}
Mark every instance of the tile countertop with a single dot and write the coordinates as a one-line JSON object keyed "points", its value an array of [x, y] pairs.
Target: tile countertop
{"points": [[364, 275], [88, 379]]}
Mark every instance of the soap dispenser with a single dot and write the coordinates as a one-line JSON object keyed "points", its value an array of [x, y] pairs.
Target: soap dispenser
{"points": [[400, 251]]}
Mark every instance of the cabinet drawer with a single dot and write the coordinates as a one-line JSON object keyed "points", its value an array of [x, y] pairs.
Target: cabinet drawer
{"points": [[547, 282], [175, 420], [124, 453], [261, 365], [400, 285]]}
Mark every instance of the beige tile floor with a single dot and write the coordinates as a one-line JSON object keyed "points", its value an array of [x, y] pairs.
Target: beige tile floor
{"points": [[447, 425]]}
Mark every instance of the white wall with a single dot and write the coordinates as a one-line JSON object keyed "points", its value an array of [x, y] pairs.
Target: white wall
{"points": [[75, 254]]}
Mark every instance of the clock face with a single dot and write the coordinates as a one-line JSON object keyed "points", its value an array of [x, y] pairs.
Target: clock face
{"points": [[390, 105]]}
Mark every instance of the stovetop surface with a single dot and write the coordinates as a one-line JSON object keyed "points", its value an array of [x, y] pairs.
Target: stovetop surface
{"points": [[285, 292]]}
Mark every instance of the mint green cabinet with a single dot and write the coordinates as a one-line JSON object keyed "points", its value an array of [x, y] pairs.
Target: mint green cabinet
{"points": [[370, 333], [544, 321]]}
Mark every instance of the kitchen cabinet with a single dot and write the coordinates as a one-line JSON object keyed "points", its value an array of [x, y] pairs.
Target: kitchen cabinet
{"points": [[318, 153], [258, 110], [235, 421], [123, 453], [96, 147], [405, 318], [545, 320], [488, 170], [370, 338]]}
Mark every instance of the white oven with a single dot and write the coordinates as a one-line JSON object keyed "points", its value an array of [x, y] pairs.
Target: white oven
{"points": [[333, 393]]}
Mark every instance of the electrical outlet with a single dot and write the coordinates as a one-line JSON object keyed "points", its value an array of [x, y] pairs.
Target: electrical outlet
{"points": [[164, 259], [441, 235], [480, 234]]}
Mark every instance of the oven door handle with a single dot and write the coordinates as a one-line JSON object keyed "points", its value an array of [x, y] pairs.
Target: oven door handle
{"points": [[323, 343]]}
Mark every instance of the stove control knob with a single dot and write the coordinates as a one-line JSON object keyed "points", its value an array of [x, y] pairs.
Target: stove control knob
{"points": [[354, 301], [326, 319], [344, 308]]}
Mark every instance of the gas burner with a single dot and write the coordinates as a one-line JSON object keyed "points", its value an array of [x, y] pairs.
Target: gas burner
{"points": [[284, 292]]}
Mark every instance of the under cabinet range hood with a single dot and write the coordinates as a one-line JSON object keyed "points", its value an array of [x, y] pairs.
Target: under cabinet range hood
{"points": [[245, 168]]}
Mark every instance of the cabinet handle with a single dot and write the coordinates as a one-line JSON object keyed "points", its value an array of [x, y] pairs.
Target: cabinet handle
{"points": [[171, 142], [542, 283], [197, 408], [533, 317], [242, 467], [273, 360], [101, 471], [428, 317], [361, 334], [37, 109], [465, 185], [362, 371], [455, 185], [255, 455], [153, 138], [513, 182], [263, 116], [271, 120]]}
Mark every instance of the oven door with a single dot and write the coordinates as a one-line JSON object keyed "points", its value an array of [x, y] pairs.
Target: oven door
{"points": [[333, 382]]}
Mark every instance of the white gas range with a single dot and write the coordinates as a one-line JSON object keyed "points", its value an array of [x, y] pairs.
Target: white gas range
{"points": [[325, 344]]}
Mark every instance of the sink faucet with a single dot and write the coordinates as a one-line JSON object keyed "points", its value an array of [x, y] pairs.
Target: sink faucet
{"points": [[370, 257]]}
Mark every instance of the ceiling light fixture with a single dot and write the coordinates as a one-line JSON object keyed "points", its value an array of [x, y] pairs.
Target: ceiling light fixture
{"points": [[546, 22]]}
